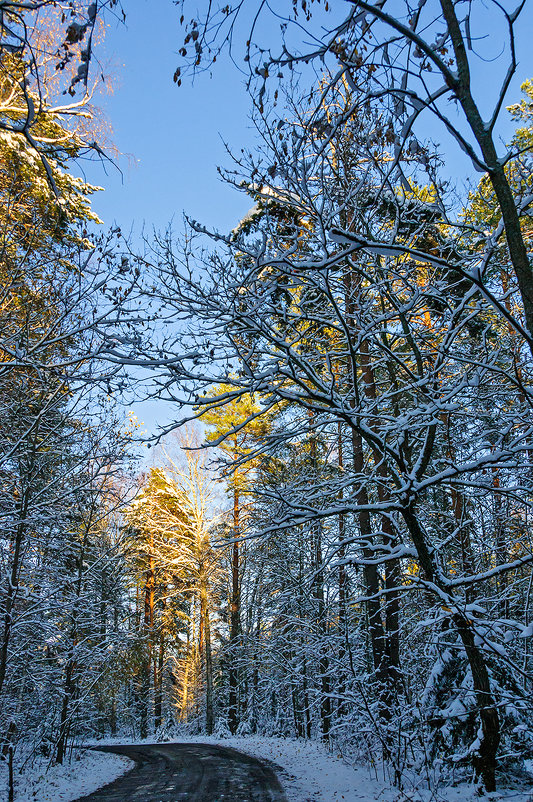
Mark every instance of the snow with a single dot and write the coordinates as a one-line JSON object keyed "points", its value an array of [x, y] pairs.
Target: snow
{"points": [[307, 770], [310, 772], [87, 772]]}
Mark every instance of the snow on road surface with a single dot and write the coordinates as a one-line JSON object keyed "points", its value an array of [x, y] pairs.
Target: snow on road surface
{"points": [[87, 772], [310, 773]]}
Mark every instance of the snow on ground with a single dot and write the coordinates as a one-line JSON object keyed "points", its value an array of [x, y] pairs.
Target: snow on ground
{"points": [[309, 773], [87, 772]]}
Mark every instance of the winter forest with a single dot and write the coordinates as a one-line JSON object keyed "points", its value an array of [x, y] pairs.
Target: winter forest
{"points": [[329, 539]]}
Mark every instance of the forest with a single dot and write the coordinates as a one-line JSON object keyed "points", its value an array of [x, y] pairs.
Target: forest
{"points": [[331, 538]]}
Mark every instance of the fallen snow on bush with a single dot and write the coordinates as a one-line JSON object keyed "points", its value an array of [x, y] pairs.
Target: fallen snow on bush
{"points": [[87, 772]]}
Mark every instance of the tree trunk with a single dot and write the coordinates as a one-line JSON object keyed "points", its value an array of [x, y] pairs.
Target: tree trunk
{"points": [[460, 85], [70, 670], [158, 701], [321, 623], [185, 684], [306, 708], [209, 706], [376, 631], [11, 783], [392, 580], [13, 585], [233, 711], [113, 713], [372, 583], [484, 759], [68, 691], [205, 636], [343, 593], [147, 648]]}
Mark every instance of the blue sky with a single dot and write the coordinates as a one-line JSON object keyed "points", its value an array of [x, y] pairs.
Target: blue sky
{"points": [[171, 137]]}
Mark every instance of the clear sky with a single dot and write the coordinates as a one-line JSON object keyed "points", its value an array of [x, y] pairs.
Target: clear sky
{"points": [[172, 138], [172, 135]]}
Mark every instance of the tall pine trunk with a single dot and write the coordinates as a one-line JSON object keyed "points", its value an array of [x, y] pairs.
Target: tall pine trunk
{"points": [[233, 711], [204, 637]]}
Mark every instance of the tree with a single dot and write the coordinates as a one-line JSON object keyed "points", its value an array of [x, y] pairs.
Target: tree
{"points": [[46, 51], [471, 269], [236, 418], [170, 522], [397, 345], [417, 61], [58, 300]]}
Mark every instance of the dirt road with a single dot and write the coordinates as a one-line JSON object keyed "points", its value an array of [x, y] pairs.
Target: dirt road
{"points": [[190, 773]]}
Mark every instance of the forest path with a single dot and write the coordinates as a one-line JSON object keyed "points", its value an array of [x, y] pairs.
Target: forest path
{"points": [[190, 772]]}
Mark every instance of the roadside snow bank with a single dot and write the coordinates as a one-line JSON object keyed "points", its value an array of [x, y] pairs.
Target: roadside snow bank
{"points": [[87, 772], [313, 774], [310, 772]]}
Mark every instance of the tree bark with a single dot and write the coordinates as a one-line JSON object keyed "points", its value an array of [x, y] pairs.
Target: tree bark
{"points": [[484, 759], [158, 701], [68, 691], [343, 592], [13, 584], [205, 636], [460, 85], [233, 711]]}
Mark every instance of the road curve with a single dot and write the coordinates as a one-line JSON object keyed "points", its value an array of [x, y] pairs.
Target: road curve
{"points": [[190, 773]]}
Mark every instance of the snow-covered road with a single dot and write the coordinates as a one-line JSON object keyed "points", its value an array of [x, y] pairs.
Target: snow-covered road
{"points": [[190, 772]]}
